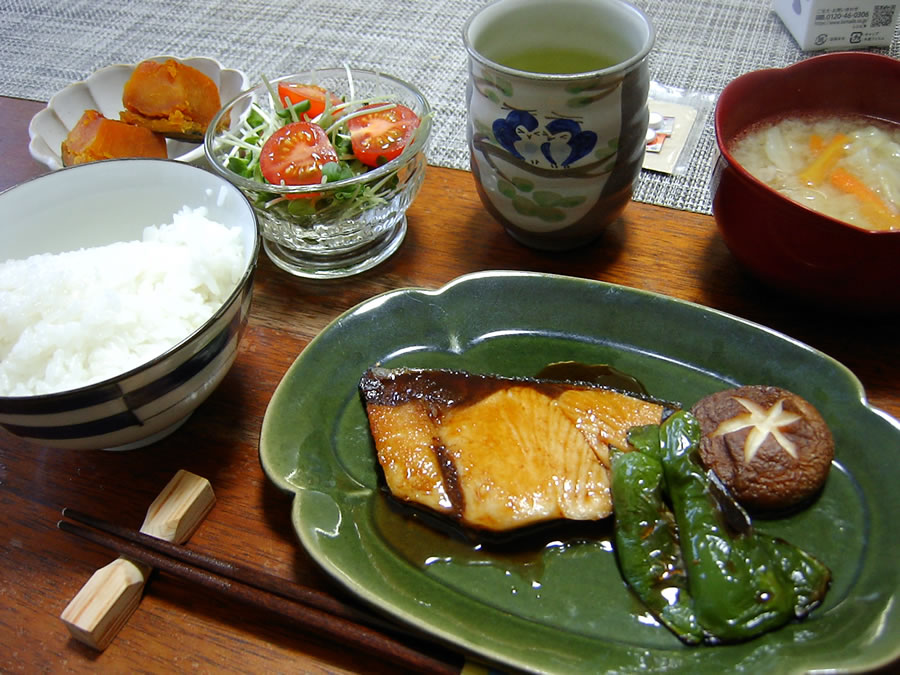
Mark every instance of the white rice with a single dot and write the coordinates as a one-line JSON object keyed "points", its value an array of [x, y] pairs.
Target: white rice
{"points": [[71, 319]]}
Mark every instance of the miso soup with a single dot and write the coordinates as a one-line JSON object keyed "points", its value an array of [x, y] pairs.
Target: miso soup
{"points": [[845, 167]]}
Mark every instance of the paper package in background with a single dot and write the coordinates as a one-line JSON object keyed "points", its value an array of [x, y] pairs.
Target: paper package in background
{"points": [[839, 24]]}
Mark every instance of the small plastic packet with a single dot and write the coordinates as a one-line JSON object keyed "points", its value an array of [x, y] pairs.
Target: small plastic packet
{"points": [[677, 120]]}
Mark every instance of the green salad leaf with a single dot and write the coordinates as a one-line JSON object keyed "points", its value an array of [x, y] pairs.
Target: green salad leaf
{"points": [[246, 142]]}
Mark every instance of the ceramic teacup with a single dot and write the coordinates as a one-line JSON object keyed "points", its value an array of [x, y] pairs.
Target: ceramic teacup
{"points": [[557, 114]]}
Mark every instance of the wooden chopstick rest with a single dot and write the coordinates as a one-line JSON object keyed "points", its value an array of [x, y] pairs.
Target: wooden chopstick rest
{"points": [[102, 606]]}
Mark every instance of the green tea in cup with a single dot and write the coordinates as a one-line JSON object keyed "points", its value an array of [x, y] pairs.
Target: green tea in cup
{"points": [[557, 114], [551, 59]]}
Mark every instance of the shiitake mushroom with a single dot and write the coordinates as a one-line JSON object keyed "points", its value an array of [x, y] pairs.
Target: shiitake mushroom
{"points": [[769, 446]]}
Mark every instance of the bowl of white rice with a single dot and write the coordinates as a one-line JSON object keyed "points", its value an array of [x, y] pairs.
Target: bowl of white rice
{"points": [[125, 288]]}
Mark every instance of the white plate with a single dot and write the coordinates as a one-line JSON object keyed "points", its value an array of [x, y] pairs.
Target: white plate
{"points": [[102, 91]]}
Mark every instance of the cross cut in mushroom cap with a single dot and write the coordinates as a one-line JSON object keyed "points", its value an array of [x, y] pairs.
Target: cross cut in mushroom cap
{"points": [[770, 447], [763, 422]]}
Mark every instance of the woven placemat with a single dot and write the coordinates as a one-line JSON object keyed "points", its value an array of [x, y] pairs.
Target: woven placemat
{"points": [[46, 44]]}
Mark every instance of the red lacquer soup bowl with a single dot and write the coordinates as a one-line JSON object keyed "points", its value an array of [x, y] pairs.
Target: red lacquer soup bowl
{"points": [[786, 245]]}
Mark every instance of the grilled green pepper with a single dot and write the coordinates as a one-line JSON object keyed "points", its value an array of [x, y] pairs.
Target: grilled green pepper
{"points": [[647, 543], [741, 583]]}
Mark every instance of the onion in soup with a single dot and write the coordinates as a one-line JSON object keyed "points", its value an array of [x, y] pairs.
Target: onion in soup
{"points": [[847, 167]]}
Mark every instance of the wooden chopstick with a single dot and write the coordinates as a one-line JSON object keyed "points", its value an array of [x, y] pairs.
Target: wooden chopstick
{"points": [[316, 611], [231, 570]]}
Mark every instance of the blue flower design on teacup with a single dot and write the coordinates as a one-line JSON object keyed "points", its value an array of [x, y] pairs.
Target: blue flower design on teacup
{"points": [[558, 144], [567, 142]]}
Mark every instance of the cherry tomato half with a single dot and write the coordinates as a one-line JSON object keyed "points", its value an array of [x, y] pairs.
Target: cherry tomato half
{"points": [[381, 136], [295, 155], [297, 93]]}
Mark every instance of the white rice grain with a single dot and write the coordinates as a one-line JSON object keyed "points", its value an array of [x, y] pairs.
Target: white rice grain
{"points": [[75, 318]]}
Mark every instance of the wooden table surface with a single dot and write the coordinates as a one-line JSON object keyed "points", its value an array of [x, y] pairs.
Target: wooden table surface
{"points": [[180, 628]]}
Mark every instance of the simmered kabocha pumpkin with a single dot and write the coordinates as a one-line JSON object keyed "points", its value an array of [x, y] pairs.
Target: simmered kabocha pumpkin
{"points": [[170, 98], [95, 137]]}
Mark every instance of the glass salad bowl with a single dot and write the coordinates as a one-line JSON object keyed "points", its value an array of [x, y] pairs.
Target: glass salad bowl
{"points": [[330, 169]]}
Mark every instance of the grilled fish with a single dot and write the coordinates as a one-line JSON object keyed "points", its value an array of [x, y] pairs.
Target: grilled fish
{"points": [[497, 453]]}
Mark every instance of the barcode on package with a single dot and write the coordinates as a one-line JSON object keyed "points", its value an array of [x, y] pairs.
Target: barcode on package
{"points": [[883, 15]]}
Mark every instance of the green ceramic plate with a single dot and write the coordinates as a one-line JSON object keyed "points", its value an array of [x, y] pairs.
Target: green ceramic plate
{"points": [[564, 608]]}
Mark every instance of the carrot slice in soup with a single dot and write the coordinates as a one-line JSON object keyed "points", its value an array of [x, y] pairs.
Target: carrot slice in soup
{"points": [[816, 143], [879, 214], [816, 172]]}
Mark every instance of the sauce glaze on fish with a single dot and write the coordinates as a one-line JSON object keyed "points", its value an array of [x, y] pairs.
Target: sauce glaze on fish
{"points": [[497, 453]]}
